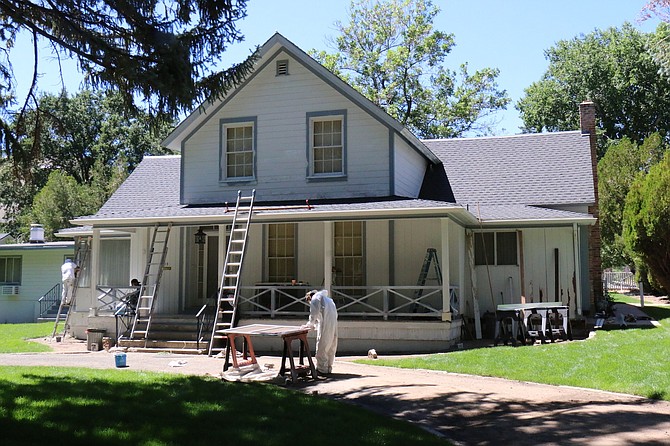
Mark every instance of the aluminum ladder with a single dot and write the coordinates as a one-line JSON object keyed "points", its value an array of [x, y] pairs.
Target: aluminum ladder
{"points": [[80, 259], [150, 282], [430, 259], [229, 291]]}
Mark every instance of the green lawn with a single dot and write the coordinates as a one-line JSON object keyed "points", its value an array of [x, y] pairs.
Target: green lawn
{"points": [[633, 361], [14, 337], [50, 405]]}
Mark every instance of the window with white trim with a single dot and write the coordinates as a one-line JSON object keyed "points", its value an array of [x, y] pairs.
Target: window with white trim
{"points": [[348, 243], [281, 252], [10, 270], [496, 248], [238, 150], [327, 145]]}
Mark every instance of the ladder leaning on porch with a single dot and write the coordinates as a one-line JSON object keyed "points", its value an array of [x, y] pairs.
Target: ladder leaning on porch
{"points": [[151, 281], [80, 259], [226, 306], [430, 259]]}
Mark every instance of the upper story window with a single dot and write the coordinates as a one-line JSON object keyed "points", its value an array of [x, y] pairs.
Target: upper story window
{"points": [[10, 270], [496, 248], [238, 141], [327, 143]]}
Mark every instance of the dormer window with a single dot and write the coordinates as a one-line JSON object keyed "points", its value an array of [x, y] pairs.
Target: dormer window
{"points": [[282, 68]]}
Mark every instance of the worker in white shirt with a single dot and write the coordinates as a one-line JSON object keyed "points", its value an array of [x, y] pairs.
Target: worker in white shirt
{"points": [[68, 273], [323, 318]]}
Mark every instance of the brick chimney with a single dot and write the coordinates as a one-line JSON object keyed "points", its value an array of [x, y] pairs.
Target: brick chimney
{"points": [[587, 124]]}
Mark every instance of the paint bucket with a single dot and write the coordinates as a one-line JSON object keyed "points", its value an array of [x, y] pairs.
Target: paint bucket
{"points": [[120, 359]]}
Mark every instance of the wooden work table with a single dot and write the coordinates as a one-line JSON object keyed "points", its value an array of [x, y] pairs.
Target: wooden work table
{"points": [[288, 333]]}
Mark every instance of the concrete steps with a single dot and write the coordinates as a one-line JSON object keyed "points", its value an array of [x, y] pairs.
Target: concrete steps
{"points": [[170, 333]]}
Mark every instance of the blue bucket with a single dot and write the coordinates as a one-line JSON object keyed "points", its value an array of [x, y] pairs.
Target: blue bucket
{"points": [[120, 359]]}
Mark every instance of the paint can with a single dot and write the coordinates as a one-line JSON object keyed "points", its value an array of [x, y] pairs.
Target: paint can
{"points": [[120, 359]]}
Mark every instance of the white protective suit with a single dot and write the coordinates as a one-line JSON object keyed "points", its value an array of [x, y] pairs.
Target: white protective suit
{"points": [[68, 274], [323, 317]]}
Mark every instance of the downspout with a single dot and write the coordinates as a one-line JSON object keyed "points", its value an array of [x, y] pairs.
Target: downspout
{"points": [[578, 269]]}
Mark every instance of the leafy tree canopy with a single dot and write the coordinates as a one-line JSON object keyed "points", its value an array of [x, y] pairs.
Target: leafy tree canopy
{"points": [[159, 55], [617, 170], [613, 69], [89, 137], [645, 221], [391, 53]]}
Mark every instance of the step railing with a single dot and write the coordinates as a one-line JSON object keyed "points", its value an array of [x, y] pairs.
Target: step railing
{"points": [[50, 300]]}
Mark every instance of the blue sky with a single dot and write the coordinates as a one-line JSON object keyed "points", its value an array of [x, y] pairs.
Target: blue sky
{"points": [[510, 35]]}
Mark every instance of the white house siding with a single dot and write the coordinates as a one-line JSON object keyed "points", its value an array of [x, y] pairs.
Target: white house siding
{"points": [[409, 169], [280, 105], [412, 237], [40, 272], [539, 264]]}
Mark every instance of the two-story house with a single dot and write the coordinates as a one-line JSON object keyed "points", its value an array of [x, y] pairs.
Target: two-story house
{"points": [[349, 200]]}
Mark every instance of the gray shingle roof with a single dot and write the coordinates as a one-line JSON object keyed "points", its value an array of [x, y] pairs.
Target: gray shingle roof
{"points": [[532, 169], [497, 179]]}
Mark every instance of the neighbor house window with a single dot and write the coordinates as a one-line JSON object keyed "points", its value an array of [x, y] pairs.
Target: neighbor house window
{"points": [[238, 147], [349, 244], [327, 144], [281, 252], [10, 270], [495, 248]]}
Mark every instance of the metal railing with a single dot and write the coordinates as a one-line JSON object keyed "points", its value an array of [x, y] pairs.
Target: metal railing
{"points": [[50, 300], [384, 302], [204, 320]]}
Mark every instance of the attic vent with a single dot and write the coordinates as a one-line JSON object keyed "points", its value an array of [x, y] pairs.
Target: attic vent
{"points": [[9, 290], [282, 67]]}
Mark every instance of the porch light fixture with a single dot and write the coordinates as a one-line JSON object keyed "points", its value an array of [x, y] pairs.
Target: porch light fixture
{"points": [[200, 237]]}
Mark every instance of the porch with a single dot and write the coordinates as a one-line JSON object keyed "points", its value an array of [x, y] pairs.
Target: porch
{"points": [[389, 318]]}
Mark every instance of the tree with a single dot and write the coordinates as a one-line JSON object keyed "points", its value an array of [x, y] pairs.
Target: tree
{"points": [[645, 221], [613, 69], [89, 137], [61, 199], [617, 171], [390, 52], [159, 55], [659, 44]]}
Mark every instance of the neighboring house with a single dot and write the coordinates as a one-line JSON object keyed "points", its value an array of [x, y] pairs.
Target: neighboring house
{"points": [[5, 238], [348, 199], [29, 271]]}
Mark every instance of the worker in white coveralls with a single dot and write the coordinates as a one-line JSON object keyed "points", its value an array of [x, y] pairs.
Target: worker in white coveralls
{"points": [[323, 318], [68, 272]]}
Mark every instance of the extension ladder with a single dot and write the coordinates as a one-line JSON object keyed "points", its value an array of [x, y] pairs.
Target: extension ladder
{"points": [[80, 259], [430, 259], [229, 291], [150, 282]]}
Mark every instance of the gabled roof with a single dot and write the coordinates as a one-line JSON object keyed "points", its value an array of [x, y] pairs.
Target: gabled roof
{"points": [[266, 54], [540, 169]]}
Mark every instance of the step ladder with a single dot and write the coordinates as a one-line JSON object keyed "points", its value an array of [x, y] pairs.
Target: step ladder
{"points": [[226, 306], [150, 282], [64, 309], [429, 260]]}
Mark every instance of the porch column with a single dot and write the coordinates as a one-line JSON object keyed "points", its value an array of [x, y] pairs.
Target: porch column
{"points": [[578, 269], [223, 247], [446, 295], [328, 251], [95, 268], [461, 271]]}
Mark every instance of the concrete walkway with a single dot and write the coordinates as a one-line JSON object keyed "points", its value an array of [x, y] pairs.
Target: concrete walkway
{"points": [[468, 410]]}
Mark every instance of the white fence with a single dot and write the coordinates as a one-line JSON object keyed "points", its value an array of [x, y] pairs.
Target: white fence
{"points": [[619, 280]]}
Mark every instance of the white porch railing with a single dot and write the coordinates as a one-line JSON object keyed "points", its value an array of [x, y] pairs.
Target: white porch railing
{"points": [[112, 298], [414, 302]]}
